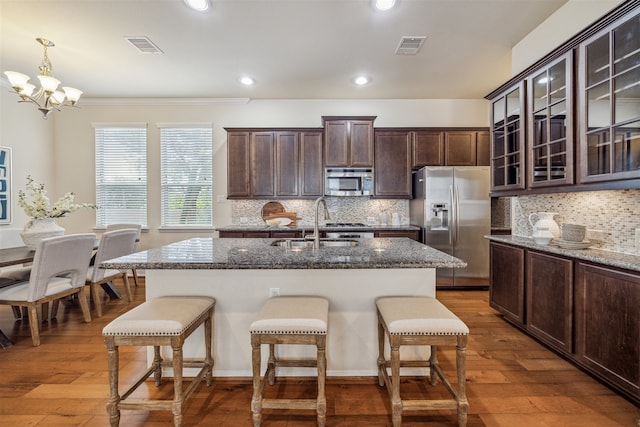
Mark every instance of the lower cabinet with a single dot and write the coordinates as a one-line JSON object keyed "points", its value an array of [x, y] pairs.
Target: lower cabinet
{"points": [[608, 325], [411, 234], [286, 234], [590, 313], [549, 295], [506, 278]]}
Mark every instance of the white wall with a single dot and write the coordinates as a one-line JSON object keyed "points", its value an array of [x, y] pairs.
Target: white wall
{"points": [[569, 20], [74, 139]]}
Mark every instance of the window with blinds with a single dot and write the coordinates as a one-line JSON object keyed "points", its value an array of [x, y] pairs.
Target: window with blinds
{"points": [[186, 157], [121, 175]]}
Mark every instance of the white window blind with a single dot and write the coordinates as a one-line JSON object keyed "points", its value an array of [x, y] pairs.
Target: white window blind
{"points": [[121, 175], [186, 157]]}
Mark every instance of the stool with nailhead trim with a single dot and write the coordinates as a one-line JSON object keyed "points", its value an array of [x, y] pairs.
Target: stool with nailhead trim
{"points": [[289, 320], [414, 320], [163, 321]]}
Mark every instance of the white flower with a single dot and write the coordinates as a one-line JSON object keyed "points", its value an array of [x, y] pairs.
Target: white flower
{"points": [[36, 204]]}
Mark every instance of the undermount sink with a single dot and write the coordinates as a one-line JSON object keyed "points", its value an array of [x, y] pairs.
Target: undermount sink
{"points": [[302, 243]]}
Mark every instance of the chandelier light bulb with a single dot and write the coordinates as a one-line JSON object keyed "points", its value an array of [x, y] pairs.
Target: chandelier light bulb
{"points": [[17, 80]]}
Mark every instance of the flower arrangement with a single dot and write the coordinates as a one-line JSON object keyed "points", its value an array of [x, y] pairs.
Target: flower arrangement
{"points": [[36, 204]]}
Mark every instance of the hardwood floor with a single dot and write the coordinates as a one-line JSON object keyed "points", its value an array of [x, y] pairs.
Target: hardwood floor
{"points": [[512, 381]]}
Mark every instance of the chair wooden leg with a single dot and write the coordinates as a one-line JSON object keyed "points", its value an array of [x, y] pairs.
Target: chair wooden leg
{"points": [[157, 365], [208, 330], [33, 324], [84, 304], [178, 394], [125, 280], [44, 312], [461, 366], [321, 402], [433, 363], [381, 360], [256, 400], [396, 402], [135, 276], [271, 364], [54, 308], [95, 296]]}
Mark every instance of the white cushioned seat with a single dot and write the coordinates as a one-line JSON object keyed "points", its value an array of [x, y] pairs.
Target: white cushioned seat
{"points": [[292, 315], [419, 316], [160, 316]]}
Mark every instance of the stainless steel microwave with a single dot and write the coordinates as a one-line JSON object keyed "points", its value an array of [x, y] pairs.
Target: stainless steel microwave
{"points": [[348, 182]]}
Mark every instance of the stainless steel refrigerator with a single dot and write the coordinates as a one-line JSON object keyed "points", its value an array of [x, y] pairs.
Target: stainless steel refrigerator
{"points": [[452, 207]]}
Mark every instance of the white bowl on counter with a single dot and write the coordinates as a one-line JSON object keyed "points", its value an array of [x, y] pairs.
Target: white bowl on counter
{"points": [[542, 240]]}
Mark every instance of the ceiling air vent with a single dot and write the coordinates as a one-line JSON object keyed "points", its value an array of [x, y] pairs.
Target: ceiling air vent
{"points": [[143, 44], [410, 45]]}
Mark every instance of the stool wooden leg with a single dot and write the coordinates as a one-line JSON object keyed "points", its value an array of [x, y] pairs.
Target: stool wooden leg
{"points": [[396, 402], [114, 396], [127, 287], [97, 302], [178, 395], [461, 365], [433, 364], [157, 365], [256, 400], [271, 364], [208, 328], [381, 360], [321, 402], [17, 313]]}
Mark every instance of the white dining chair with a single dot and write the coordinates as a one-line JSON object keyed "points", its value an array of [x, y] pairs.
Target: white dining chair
{"points": [[113, 244], [112, 227], [59, 270]]}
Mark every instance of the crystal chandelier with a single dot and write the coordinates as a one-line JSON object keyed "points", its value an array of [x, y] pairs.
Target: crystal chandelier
{"points": [[47, 97]]}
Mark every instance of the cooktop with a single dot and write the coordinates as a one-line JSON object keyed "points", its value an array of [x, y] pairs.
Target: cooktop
{"points": [[345, 224]]}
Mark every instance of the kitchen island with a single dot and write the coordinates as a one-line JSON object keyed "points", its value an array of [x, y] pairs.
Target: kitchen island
{"points": [[241, 274]]}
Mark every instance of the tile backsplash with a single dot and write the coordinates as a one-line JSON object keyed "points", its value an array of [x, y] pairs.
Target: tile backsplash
{"points": [[616, 213], [341, 209]]}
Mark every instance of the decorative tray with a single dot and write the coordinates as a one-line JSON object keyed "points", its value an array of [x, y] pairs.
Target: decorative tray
{"points": [[565, 244]]}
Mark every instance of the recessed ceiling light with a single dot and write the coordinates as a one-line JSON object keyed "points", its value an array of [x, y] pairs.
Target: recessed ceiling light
{"points": [[361, 80], [384, 4], [247, 81], [199, 5]]}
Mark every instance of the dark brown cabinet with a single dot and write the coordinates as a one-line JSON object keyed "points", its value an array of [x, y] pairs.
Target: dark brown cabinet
{"points": [[608, 325], [483, 148], [267, 163], [392, 170], [587, 312], [427, 149], [276, 234], [549, 296], [506, 279], [348, 141], [450, 147], [460, 148]]}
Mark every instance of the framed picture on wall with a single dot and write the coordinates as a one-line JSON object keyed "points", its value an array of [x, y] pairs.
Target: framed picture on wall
{"points": [[5, 185]]}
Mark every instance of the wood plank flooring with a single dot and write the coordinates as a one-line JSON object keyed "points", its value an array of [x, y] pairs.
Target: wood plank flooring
{"points": [[513, 381]]}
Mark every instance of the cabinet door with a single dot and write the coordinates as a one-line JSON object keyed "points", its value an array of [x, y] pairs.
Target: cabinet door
{"points": [[427, 149], [549, 289], [608, 325], [392, 164], [311, 173], [506, 281], [262, 164], [550, 124], [460, 148], [483, 149], [238, 164], [230, 234], [257, 234], [287, 164], [336, 143], [361, 143], [609, 95], [507, 140]]}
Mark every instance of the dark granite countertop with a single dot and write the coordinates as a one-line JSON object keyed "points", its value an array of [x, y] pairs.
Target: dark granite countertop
{"points": [[307, 227], [610, 258], [217, 254]]}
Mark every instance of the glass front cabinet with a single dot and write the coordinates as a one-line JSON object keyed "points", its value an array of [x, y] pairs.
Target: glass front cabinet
{"points": [[609, 89], [550, 124], [507, 139]]}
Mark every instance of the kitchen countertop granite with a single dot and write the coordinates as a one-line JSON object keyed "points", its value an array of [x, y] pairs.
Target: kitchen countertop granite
{"points": [[309, 227], [218, 254], [610, 258]]}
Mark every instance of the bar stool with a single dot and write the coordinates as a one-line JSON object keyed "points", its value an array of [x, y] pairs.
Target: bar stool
{"points": [[407, 321], [164, 321], [289, 320]]}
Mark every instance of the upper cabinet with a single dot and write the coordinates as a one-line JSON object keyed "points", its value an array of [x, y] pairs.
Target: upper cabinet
{"points": [[450, 148], [267, 163], [392, 171], [550, 124], [348, 141], [580, 127], [609, 88], [507, 136]]}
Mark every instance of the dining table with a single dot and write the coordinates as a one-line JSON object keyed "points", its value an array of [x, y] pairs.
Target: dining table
{"points": [[23, 255]]}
